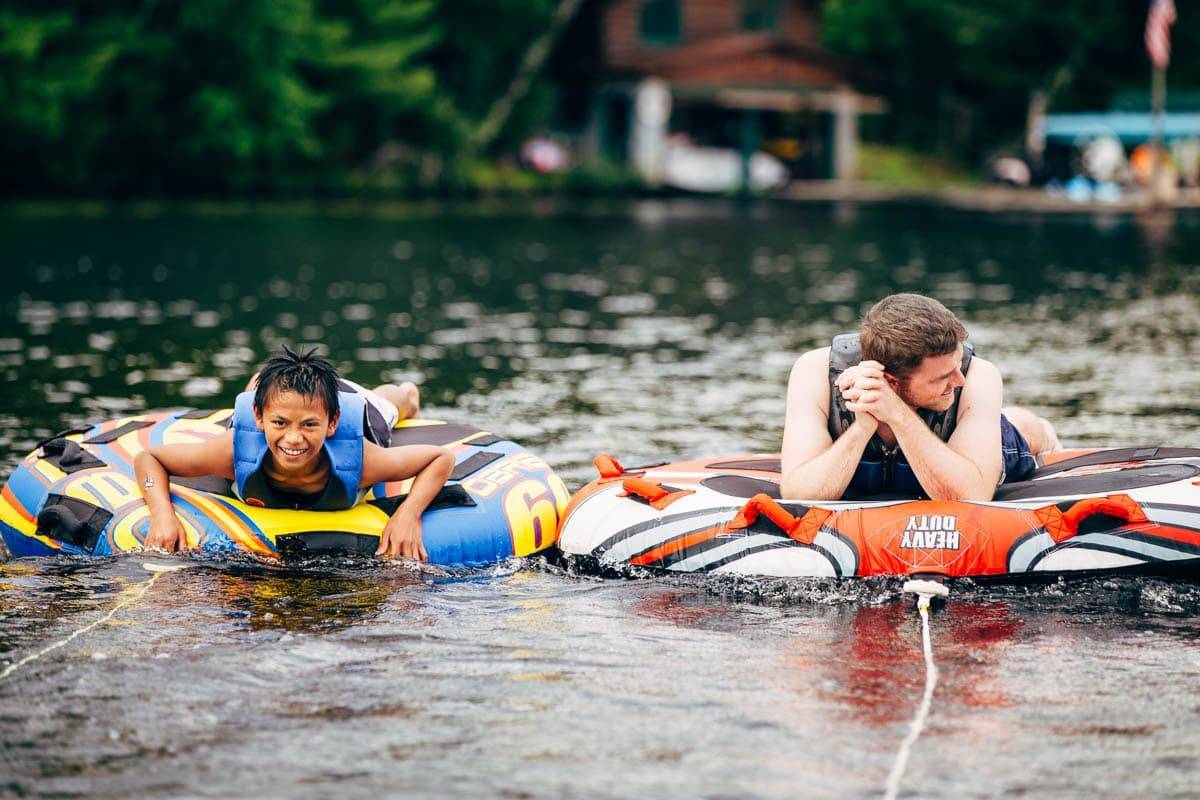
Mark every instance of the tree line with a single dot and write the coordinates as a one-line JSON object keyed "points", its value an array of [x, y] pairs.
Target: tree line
{"points": [[132, 97], [136, 97], [959, 75]]}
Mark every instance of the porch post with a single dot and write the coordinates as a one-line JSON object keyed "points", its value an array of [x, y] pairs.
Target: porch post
{"points": [[749, 145], [845, 135]]}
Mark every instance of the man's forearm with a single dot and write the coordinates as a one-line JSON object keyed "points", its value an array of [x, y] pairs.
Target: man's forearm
{"points": [[827, 476], [943, 473]]}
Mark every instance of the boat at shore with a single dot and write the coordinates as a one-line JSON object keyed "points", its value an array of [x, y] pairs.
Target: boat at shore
{"points": [[76, 494], [1127, 510]]}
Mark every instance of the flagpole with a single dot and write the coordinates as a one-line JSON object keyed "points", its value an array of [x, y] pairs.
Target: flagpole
{"points": [[1158, 91]]}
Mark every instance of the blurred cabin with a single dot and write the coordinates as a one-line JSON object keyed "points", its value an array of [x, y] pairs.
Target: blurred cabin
{"points": [[740, 75]]}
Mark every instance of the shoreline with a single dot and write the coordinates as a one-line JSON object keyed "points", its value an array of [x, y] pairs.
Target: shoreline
{"points": [[987, 199], [983, 198]]}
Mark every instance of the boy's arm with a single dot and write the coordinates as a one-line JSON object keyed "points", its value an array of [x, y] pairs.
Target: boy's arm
{"points": [[153, 469], [432, 466]]}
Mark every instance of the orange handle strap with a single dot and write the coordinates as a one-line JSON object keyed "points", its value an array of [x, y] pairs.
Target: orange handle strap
{"points": [[656, 494], [803, 529], [1062, 525], [607, 466]]}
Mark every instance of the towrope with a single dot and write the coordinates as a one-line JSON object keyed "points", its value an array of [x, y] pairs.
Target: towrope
{"points": [[158, 571], [925, 592]]}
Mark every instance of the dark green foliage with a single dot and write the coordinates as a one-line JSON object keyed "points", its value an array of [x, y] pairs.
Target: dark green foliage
{"points": [[52, 60], [250, 96], [137, 97], [959, 74], [479, 60]]}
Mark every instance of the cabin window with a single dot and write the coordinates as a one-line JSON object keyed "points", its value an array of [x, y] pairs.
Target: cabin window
{"points": [[660, 21], [760, 15]]}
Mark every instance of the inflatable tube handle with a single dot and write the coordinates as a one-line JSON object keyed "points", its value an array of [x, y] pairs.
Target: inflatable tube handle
{"points": [[607, 466], [656, 494], [62, 519], [1062, 525], [803, 529]]}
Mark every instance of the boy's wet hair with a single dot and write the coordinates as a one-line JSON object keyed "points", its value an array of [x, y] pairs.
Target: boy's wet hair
{"points": [[307, 375]]}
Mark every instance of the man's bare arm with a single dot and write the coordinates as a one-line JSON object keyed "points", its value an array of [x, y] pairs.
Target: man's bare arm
{"points": [[968, 466], [977, 436], [814, 465]]}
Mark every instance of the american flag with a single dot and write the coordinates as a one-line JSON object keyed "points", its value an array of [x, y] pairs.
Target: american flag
{"points": [[1158, 32]]}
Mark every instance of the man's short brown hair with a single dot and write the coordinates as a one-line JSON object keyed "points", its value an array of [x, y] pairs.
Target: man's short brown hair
{"points": [[901, 330]]}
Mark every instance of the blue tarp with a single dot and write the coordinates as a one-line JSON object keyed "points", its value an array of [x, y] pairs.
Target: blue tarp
{"points": [[1129, 127]]}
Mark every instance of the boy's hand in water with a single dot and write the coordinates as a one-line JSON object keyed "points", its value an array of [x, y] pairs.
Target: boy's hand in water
{"points": [[402, 537], [166, 533]]}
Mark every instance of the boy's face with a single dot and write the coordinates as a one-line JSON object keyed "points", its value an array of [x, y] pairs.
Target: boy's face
{"points": [[296, 428]]}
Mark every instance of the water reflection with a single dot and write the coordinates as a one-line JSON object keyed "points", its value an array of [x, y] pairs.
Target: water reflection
{"points": [[649, 330], [881, 667], [306, 600], [694, 309]]}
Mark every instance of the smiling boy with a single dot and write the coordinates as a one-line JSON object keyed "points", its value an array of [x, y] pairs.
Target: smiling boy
{"points": [[904, 407], [304, 439]]}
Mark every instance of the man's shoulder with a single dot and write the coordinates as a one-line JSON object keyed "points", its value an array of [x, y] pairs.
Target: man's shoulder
{"points": [[984, 388], [982, 370], [809, 379], [812, 360]]}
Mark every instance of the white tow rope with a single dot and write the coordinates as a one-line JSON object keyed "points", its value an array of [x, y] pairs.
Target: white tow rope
{"points": [[137, 590], [925, 591]]}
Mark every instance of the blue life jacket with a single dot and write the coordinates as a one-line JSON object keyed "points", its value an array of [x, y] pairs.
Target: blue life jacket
{"points": [[883, 471], [344, 450]]}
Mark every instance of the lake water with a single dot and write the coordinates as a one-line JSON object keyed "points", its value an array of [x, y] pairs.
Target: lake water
{"points": [[648, 330]]}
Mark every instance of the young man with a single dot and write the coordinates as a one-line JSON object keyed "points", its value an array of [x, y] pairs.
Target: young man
{"points": [[904, 407], [302, 438]]}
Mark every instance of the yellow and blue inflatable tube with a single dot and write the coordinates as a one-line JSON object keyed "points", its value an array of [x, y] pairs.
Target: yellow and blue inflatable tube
{"points": [[76, 494]]}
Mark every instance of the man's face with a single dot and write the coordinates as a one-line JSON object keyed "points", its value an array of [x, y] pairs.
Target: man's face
{"points": [[931, 385], [296, 428]]}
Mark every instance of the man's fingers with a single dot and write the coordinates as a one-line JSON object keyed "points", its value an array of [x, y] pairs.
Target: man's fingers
{"points": [[867, 369], [862, 411], [860, 397], [848, 377], [870, 383]]}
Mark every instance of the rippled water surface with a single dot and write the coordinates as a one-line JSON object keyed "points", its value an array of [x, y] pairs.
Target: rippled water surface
{"points": [[648, 330]]}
